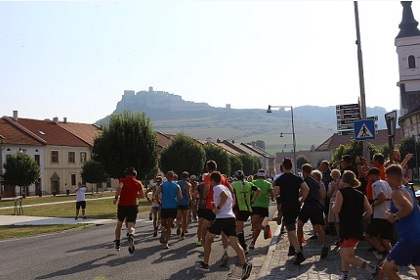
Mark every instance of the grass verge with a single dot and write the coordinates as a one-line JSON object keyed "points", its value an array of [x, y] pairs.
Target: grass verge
{"points": [[25, 231]]}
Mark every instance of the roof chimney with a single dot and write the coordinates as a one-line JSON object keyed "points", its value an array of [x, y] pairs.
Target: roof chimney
{"points": [[55, 119], [65, 120], [15, 115]]}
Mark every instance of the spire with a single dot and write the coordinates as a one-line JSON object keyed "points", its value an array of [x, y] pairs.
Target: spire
{"points": [[408, 25]]}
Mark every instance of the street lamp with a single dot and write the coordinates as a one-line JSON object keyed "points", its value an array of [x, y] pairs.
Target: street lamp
{"points": [[293, 131]]}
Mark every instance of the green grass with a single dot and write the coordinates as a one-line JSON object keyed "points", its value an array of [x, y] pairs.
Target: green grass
{"points": [[25, 231], [97, 209]]}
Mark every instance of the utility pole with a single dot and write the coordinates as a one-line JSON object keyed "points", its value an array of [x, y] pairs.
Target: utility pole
{"points": [[361, 77]]}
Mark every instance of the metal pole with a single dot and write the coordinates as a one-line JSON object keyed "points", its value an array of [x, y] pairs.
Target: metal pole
{"points": [[417, 163], [361, 76], [294, 140]]}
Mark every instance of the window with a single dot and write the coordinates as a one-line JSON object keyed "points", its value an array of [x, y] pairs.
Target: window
{"points": [[37, 159], [82, 157], [54, 156], [73, 179], [72, 157], [411, 62]]}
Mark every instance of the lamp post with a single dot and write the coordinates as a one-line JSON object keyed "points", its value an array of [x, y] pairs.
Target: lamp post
{"points": [[293, 131]]}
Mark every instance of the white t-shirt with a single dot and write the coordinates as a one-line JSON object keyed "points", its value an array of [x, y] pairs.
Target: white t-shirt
{"points": [[226, 210], [380, 186], [80, 194]]}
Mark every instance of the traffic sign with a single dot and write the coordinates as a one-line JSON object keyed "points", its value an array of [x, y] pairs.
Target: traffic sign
{"points": [[348, 106], [345, 126], [346, 121], [346, 132], [364, 130]]}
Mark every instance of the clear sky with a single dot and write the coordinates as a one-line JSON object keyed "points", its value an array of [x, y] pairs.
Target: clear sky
{"points": [[75, 59]]}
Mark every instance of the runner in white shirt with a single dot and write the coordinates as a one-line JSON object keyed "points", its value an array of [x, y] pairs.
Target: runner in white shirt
{"points": [[80, 200], [224, 222]]}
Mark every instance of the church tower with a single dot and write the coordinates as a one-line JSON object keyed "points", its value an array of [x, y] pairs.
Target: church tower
{"points": [[408, 50]]}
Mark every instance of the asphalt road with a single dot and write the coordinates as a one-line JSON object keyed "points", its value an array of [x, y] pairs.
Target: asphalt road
{"points": [[89, 254]]}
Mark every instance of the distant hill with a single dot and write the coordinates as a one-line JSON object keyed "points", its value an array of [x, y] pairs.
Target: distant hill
{"points": [[169, 113]]}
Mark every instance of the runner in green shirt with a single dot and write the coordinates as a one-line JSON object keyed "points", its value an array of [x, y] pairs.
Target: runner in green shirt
{"points": [[260, 207]]}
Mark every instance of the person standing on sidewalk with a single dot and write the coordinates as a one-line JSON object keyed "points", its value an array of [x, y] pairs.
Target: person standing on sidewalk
{"points": [[80, 200], [405, 213], [128, 190], [290, 187], [171, 195], [260, 207], [312, 209], [352, 207], [224, 222]]}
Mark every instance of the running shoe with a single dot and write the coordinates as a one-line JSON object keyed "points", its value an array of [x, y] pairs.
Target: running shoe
{"points": [[251, 246], [224, 260], [181, 237], [84, 218], [198, 243], [202, 266], [292, 251], [75, 218], [131, 247], [155, 232], [378, 274], [246, 270], [324, 252], [165, 246], [117, 245], [299, 258]]}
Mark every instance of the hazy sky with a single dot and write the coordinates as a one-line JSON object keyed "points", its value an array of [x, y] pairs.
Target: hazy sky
{"points": [[75, 59]]}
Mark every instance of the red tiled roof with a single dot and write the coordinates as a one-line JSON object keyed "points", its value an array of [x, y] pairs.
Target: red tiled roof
{"points": [[17, 136], [336, 140], [163, 139], [49, 131], [257, 150], [84, 131], [228, 149]]}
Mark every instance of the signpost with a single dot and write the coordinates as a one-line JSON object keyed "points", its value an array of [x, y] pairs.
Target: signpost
{"points": [[347, 114]]}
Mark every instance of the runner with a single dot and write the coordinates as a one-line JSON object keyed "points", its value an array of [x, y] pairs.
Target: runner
{"points": [[80, 200], [352, 207], [184, 205], [171, 194], [290, 187], [193, 210], [312, 209], [155, 204], [201, 206], [224, 222], [127, 192], [333, 188], [405, 213], [260, 207], [242, 189]]}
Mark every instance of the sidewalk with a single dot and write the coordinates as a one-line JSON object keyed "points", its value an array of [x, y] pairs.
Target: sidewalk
{"points": [[277, 265], [33, 220]]}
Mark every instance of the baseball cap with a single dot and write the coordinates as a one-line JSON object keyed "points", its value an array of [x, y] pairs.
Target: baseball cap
{"points": [[373, 171], [261, 173], [239, 173]]}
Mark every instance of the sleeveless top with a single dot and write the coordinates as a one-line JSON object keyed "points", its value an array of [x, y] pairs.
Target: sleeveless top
{"points": [[242, 191], [169, 195], [408, 227], [351, 214], [185, 197]]}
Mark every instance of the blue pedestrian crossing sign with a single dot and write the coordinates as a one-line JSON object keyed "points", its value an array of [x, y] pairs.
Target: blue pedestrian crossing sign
{"points": [[364, 130]]}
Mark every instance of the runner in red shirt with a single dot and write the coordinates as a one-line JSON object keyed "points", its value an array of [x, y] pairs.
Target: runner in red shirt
{"points": [[128, 190]]}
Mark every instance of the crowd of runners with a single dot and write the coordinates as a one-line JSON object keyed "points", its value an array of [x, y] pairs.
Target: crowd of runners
{"points": [[353, 199]]}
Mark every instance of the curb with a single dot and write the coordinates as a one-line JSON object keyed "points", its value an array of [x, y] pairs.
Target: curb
{"points": [[272, 247]]}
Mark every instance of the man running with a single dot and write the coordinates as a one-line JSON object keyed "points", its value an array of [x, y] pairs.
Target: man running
{"points": [[128, 190], [291, 187], [184, 205], [224, 222], [405, 213], [155, 204], [171, 194], [80, 200]]}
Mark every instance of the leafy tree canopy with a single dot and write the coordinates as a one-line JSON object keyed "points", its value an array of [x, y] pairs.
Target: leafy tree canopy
{"points": [[250, 164], [301, 160], [183, 154], [219, 155], [235, 164], [354, 149], [20, 170], [407, 147], [128, 141], [93, 172]]}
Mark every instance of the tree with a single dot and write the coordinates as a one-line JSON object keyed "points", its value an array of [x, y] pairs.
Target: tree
{"points": [[301, 160], [250, 164], [354, 149], [128, 141], [93, 172], [20, 170], [407, 147], [183, 154], [235, 164], [219, 155]]}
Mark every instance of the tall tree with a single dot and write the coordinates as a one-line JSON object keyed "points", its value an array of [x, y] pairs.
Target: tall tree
{"points": [[354, 149], [250, 164], [301, 160], [93, 172], [235, 164], [20, 170], [219, 155], [407, 146], [128, 141], [183, 154]]}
